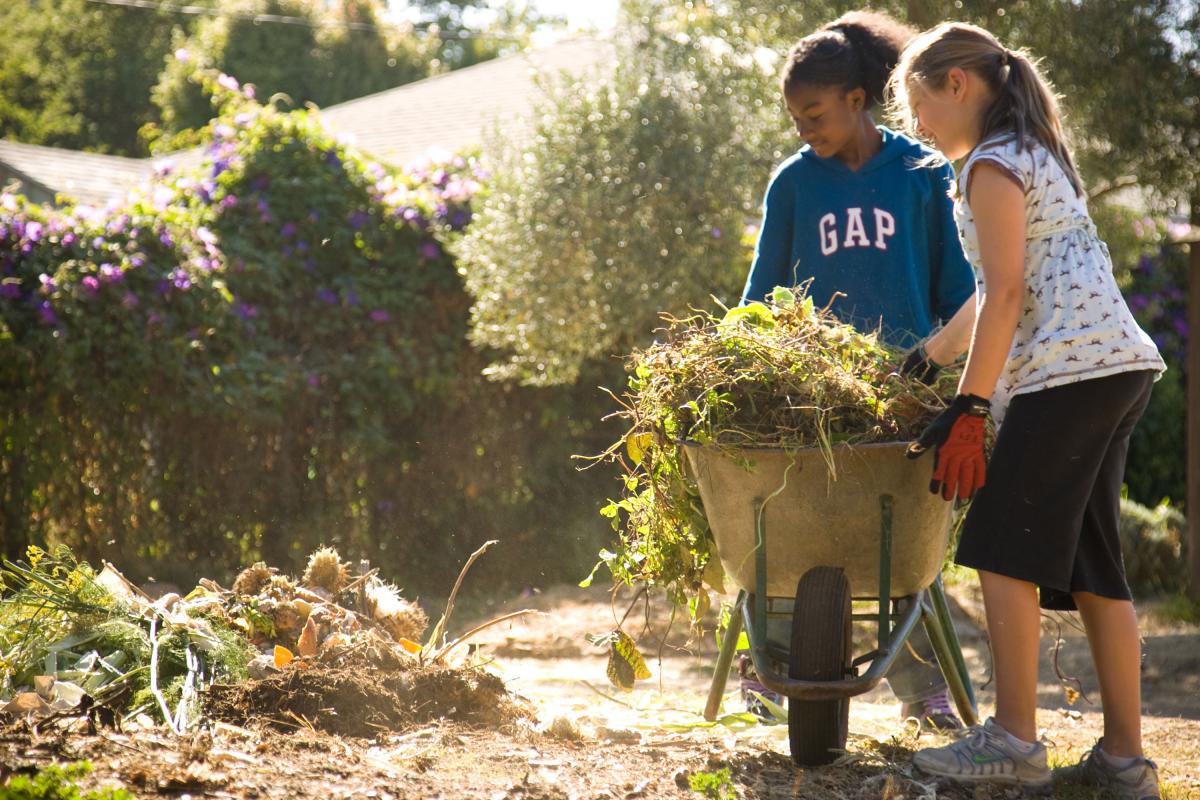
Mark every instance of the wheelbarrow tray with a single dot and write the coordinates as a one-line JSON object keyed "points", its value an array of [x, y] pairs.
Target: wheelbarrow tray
{"points": [[822, 517]]}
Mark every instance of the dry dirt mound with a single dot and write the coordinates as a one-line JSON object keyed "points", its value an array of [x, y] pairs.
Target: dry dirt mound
{"points": [[364, 693]]}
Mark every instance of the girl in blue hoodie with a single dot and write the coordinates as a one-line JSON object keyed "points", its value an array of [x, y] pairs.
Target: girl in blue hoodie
{"points": [[856, 213]]}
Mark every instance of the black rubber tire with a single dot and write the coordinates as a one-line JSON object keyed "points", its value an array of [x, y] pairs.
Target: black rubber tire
{"points": [[820, 650]]}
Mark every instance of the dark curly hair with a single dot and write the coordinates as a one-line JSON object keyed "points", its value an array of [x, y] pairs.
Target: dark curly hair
{"points": [[858, 49]]}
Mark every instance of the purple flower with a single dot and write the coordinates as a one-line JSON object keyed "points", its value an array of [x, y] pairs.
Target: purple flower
{"points": [[380, 315], [130, 300], [248, 91], [229, 201], [137, 260], [326, 295], [228, 82], [46, 313], [223, 131], [33, 231], [165, 238], [246, 311], [48, 284], [10, 290], [90, 285], [1181, 327], [716, 232], [110, 274], [180, 280], [288, 230], [313, 380], [68, 239], [98, 242], [332, 159], [358, 219], [429, 249]]}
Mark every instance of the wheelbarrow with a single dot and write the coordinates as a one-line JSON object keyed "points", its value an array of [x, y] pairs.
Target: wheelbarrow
{"points": [[807, 533]]}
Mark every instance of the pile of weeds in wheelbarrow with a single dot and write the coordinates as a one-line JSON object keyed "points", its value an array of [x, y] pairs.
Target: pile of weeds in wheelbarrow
{"points": [[777, 374]]}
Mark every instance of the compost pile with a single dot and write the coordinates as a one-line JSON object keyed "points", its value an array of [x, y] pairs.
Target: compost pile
{"points": [[328, 651], [783, 375], [778, 374]]}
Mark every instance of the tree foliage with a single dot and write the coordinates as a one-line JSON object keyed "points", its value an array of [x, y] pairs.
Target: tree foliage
{"points": [[631, 198], [324, 61], [78, 74]]}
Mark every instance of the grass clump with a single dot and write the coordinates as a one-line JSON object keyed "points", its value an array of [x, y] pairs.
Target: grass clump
{"points": [[58, 783], [779, 374]]}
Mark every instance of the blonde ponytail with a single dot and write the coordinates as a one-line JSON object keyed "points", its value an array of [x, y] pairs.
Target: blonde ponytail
{"points": [[1025, 104]]}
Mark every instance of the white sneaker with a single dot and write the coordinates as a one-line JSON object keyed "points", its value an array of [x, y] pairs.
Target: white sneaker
{"points": [[986, 755]]}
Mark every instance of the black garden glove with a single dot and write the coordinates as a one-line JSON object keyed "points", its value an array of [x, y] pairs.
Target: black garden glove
{"points": [[920, 366]]}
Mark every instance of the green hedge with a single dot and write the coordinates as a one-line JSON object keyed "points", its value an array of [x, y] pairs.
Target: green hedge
{"points": [[266, 353], [1154, 545]]}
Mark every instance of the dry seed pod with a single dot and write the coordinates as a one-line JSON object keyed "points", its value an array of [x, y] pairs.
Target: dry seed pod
{"points": [[287, 620], [282, 586], [251, 580], [400, 618], [326, 571]]}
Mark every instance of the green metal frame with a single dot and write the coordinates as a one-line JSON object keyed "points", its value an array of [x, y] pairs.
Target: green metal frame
{"points": [[929, 606]]}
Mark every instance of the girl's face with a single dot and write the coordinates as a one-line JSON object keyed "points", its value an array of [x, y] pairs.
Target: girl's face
{"points": [[949, 116], [826, 117]]}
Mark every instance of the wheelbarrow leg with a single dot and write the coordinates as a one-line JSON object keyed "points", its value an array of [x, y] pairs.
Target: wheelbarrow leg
{"points": [[935, 613], [724, 659]]}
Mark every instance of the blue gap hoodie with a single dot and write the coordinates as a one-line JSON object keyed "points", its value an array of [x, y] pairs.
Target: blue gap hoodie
{"points": [[884, 236]]}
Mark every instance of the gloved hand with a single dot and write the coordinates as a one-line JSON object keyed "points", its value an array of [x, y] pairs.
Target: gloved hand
{"points": [[920, 366], [956, 436]]}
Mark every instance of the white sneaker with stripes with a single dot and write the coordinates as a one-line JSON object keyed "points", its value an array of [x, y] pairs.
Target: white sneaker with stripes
{"points": [[986, 754]]}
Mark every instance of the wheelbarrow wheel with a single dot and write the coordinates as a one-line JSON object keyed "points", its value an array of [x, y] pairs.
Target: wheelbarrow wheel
{"points": [[820, 651]]}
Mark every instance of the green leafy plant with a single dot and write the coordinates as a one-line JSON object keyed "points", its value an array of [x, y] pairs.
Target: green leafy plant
{"points": [[716, 785], [59, 783]]}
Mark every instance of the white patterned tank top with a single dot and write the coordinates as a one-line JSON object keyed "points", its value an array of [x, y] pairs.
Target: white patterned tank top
{"points": [[1074, 323]]}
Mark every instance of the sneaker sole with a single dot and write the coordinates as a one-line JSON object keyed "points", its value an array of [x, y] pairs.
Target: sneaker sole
{"points": [[1040, 787]]}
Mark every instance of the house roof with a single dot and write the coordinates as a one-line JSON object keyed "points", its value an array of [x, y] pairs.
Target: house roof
{"points": [[448, 111], [88, 177], [457, 109]]}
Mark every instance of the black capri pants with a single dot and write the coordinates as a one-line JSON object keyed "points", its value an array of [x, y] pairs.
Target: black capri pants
{"points": [[1050, 510]]}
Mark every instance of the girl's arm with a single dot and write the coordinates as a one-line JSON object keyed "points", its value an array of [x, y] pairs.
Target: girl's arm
{"points": [[773, 254], [998, 203]]}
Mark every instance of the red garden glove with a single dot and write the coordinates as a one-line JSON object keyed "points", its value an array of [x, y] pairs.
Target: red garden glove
{"points": [[956, 436]]}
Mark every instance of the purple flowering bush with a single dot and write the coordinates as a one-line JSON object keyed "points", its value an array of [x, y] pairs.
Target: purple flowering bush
{"points": [[1157, 295], [259, 352]]}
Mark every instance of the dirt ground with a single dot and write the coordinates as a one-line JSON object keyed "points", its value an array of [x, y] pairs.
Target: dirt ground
{"points": [[583, 739]]}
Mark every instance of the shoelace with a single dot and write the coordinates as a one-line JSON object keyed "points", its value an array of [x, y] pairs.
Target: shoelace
{"points": [[938, 704]]}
